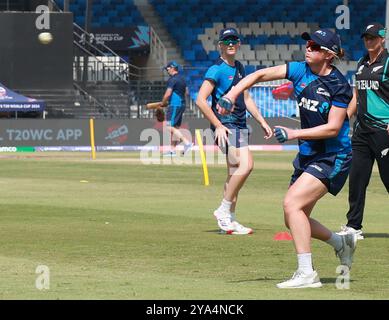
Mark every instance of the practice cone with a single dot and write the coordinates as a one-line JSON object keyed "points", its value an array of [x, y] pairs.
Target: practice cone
{"points": [[282, 236]]}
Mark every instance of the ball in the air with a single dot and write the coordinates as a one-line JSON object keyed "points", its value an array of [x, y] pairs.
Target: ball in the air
{"points": [[45, 37]]}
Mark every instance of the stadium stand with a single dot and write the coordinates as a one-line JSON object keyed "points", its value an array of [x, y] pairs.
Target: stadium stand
{"points": [[270, 30], [107, 13], [265, 42]]}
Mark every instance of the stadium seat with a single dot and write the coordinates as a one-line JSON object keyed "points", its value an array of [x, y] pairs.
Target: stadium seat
{"points": [[214, 55], [250, 69], [105, 12]]}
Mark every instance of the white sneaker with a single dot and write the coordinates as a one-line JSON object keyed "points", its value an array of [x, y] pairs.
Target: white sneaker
{"points": [[345, 254], [301, 280], [224, 221], [346, 230], [187, 147], [239, 229]]}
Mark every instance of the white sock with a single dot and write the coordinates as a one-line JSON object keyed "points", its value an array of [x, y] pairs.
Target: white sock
{"points": [[305, 262], [335, 241], [233, 216], [225, 205]]}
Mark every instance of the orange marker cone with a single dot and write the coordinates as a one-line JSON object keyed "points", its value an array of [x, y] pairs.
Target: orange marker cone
{"points": [[282, 236]]}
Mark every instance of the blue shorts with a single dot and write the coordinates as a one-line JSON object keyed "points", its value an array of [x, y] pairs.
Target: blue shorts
{"points": [[332, 169], [174, 115], [238, 138]]}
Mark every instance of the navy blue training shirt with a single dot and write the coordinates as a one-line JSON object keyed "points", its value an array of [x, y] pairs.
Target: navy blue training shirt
{"points": [[178, 84], [316, 95], [225, 77]]}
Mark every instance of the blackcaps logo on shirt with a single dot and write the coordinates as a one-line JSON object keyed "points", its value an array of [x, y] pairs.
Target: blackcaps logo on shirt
{"points": [[376, 69], [360, 70], [323, 92]]}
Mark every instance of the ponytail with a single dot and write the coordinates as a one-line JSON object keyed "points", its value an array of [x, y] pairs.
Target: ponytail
{"points": [[338, 57], [341, 53]]}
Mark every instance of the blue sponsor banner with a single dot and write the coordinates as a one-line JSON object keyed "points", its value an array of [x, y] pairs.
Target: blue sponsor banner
{"points": [[12, 101]]}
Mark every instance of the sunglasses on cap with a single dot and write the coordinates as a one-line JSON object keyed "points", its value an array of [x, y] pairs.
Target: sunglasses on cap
{"points": [[227, 42], [317, 47]]}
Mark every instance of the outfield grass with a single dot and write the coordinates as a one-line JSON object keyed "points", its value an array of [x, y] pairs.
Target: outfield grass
{"points": [[136, 231]]}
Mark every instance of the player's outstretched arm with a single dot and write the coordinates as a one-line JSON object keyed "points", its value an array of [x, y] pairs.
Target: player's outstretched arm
{"points": [[263, 75]]}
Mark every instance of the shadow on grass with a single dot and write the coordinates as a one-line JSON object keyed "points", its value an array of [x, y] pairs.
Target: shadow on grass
{"points": [[331, 280], [213, 231], [220, 232], [323, 280], [376, 235], [255, 280]]}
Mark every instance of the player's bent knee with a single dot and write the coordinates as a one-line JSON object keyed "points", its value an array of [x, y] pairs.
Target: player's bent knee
{"points": [[242, 171], [246, 167], [289, 206], [249, 170]]}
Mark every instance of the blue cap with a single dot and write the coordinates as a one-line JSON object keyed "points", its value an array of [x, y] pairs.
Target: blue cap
{"points": [[172, 64], [325, 38], [228, 33]]}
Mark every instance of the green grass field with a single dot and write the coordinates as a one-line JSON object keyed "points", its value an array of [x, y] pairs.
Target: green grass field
{"points": [[137, 231]]}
